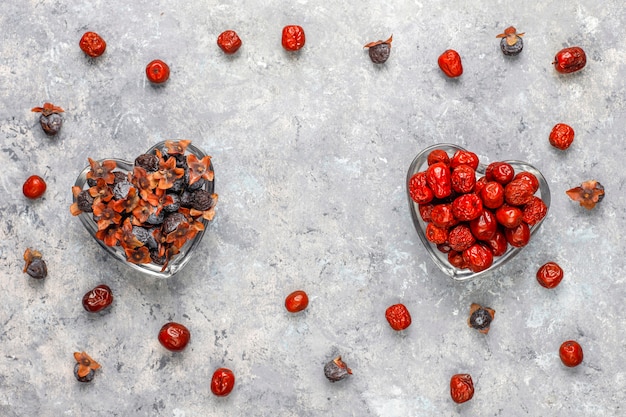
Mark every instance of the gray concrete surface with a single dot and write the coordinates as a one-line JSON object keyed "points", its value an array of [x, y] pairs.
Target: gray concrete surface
{"points": [[310, 153]]}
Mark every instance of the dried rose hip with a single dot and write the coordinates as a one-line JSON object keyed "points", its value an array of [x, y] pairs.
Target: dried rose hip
{"points": [[438, 155], [439, 180], [92, 44], [296, 301], [534, 211], [229, 41], [561, 136], [425, 210], [419, 190], [463, 178], [571, 353], [460, 238], [570, 60], [379, 51], [484, 226], [222, 382], [509, 216], [467, 207], [549, 275], [336, 370], [480, 318], [157, 71], [293, 37], [492, 195], [50, 119], [98, 298], [463, 157], [441, 216], [588, 194], [34, 187], [530, 178], [501, 172], [174, 336], [35, 266], [461, 388], [511, 43], [85, 367], [518, 236], [450, 63], [518, 192], [437, 235], [478, 257], [398, 317]]}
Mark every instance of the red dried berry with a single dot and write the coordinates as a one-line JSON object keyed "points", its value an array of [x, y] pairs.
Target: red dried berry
{"points": [[293, 37], [438, 155], [398, 317], [497, 243], [174, 336], [518, 192], [484, 226], [463, 179], [460, 238], [450, 63], [435, 234], [461, 388], [570, 60], [457, 260], [549, 275], [222, 382], [296, 301], [501, 172], [480, 184], [534, 211], [518, 236], [478, 257], [463, 157], [442, 216], [438, 179], [509, 216], [561, 136], [425, 211], [492, 195], [92, 44], [34, 187], [98, 298], [229, 41], [419, 190], [531, 179], [467, 207], [571, 353], [157, 71]]}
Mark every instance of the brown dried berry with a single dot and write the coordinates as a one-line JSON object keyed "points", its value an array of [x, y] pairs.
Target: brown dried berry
{"points": [[480, 318], [379, 51], [35, 266], [336, 370]]}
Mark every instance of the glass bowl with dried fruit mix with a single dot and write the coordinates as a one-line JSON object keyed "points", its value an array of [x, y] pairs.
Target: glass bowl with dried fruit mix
{"points": [[471, 217], [150, 214]]}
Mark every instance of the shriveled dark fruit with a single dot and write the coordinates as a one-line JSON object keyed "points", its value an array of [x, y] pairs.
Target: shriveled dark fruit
{"points": [[196, 185], [37, 269], [379, 51], [336, 370], [480, 318], [175, 205], [85, 201], [86, 378], [156, 258], [155, 219], [145, 236], [51, 124], [121, 189], [147, 161], [202, 200], [178, 186], [186, 199], [172, 221], [511, 43]]}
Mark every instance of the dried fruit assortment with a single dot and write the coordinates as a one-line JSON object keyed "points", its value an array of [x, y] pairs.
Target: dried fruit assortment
{"points": [[229, 41], [153, 211], [474, 219], [92, 44]]}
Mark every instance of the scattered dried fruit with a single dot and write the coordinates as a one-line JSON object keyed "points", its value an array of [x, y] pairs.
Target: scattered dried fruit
{"points": [[34, 187], [336, 370], [570, 60], [480, 318], [561, 136], [50, 119], [92, 44], [296, 301], [293, 38], [379, 51], [85, 367], [222, 382], [461, 388], [588, 194], [571, 353], [157, 71], [98, 298], [450, 63], [174, 336], [511, 43], [35, 266], [549, 275], [229, 41], [398, 317]]}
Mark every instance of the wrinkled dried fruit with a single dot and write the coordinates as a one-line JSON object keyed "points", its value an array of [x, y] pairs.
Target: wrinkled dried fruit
{"points": [[588, 194], [549, 275], [98, 298], [461, 388], [296, 301], [480, 318], [229, 41], [35, 266], [570, 60], [293, 38], [450, 63], [511, 43], [85, 367], [50, 119], [561, 136], [336, 370], [571, 353], [398, 317], [174, 336], [157, 71], [222, 382], [379, 51]]}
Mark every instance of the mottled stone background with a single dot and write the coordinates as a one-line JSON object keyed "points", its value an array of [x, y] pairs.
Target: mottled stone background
{"points": [[310, 153]]}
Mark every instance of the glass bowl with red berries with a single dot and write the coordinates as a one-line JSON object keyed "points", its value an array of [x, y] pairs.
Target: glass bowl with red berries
{"points": [[471, 217], [152, 213]]}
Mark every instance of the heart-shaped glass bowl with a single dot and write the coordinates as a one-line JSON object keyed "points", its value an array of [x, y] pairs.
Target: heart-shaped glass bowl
{"points": [[178, 261], [420, 163]]}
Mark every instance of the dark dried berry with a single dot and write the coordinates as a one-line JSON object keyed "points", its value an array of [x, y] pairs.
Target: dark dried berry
{"points": [[480, 318], [511, 43], [178, 186], [379, 51], [196, 185], [86, 378], [37, 269], [145, 236], [172, 221], [121, 189], [202, 200], [186, 199], [148, 162], [158, 259], [84, 200], [156, 218], [51, 124], [336, 370], [174, 205]]}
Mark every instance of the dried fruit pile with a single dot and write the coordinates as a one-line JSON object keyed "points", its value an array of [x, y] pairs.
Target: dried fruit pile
{"points": [[154, 210], [475, 219]]}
